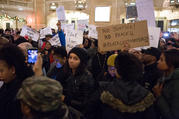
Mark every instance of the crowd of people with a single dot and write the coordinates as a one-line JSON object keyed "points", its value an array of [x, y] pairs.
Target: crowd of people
{"points": [[86, 83]]}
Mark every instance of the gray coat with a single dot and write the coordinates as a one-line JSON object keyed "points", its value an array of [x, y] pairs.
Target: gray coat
{"points": [[168, 102]]}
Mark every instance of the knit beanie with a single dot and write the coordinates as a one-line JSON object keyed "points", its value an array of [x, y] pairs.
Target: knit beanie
{"points": [[81, 53]]}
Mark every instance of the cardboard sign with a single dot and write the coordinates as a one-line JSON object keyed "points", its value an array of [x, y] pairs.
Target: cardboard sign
{"points": [[73, 38], [154, 35], [61, 13], [145, 11], [31, 33], [81, 24], [45, 31], [55, 41], [93, 32], [122, 36]]}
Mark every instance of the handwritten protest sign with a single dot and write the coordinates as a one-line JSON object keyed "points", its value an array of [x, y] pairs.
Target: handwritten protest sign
{"points": [[45, 31], [61, 13], [81, 25], [122, 36], [73, 38], [31, 33], [154, 34], [55, 41], [67, 27], [145, 11], [93, 32]]}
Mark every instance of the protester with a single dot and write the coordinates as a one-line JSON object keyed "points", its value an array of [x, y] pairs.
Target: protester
{"points": [[3, 41], [151, 73], [35, 104], [57, 71], [125, 98], [99, 65], [80, 84], [13, 70], [167, 89]]}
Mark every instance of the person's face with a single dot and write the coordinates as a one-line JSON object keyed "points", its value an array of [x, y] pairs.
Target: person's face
{"points": [[47, 46], [59, 59], [16, 37], [162, 65], [8, 32], [74, 61], [86, 43], [47, 38], [111, 71], [7, 73]]}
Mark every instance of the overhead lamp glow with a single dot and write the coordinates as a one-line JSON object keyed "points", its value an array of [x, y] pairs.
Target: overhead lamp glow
{"points": [[132, 3], [20, 9], [53, 7]]}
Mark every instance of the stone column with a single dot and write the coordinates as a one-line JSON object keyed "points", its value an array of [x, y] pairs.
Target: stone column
{"points": [[39, 13]]}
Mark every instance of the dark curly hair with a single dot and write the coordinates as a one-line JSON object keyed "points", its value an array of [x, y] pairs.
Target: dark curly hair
{"points": [[172, 58], [128, 67], [14, 56]]}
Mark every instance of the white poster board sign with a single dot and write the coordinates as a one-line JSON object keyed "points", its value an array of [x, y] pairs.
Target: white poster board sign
{"points": [[73, 38], [145, 10], [45, 31], [55, 41], [31, 33], [69, 27], [81, 24], [154, 35], [92, 31], [61, 13]]}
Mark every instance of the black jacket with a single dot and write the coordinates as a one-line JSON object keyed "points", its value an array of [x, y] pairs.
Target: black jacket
{"points": [[127, 100], [79, 92], [151, 76], [99, 64], [9, 105]]}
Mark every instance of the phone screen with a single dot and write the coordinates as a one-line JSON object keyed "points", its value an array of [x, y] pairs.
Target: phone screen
{"points": [[32, 56]]}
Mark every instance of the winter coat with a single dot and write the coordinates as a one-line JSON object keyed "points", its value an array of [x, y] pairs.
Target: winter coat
{"points": [[168, 102], [9, 105], [99, 64], [127, 100], [79, 92], [151, 76]]}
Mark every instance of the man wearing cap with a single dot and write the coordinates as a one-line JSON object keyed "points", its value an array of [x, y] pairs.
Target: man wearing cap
{"points": [[42, 98]]}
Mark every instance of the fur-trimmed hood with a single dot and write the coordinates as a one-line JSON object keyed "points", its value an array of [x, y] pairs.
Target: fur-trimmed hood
{"points": [[127, 97]]}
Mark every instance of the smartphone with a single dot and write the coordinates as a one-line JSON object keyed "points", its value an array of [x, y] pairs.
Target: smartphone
{"points": [[32, 55]]}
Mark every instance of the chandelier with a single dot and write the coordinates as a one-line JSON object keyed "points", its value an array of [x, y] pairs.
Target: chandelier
{"points": [[80, 4]]}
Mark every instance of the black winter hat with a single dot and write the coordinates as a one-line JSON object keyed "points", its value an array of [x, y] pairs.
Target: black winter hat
{"points": [[152, 51], [81, 53]]}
